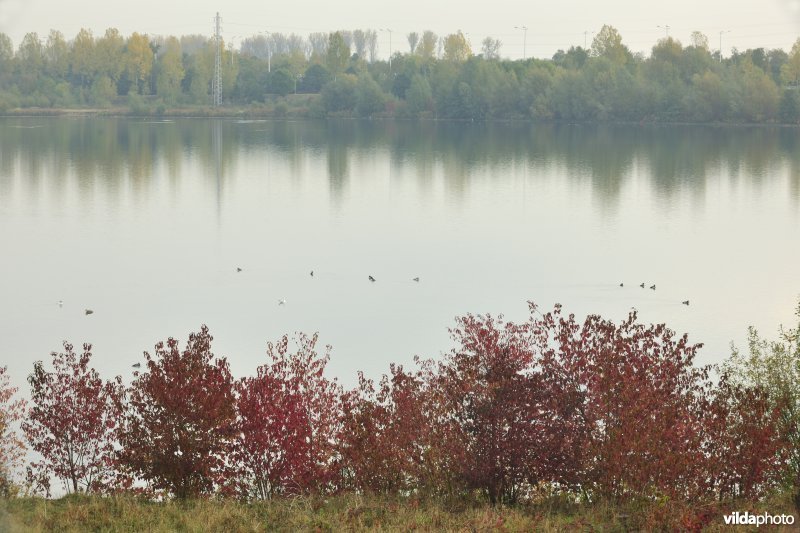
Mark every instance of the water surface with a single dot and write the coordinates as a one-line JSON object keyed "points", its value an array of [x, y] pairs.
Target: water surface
{"points": [[146, 222]]}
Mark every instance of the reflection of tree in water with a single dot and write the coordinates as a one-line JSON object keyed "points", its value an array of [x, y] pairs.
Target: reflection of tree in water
{"points": [[680, 157], [216, 143], [603, 152], [111, 154], [288, 140], [337, 166], [790, 146], [751, 152], [107, 154]]}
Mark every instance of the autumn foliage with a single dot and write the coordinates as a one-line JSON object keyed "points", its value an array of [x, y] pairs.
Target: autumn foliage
{"points": [[179, 419], [387, 436], [287, 425], [72, 422], [592, 410], [639, 403], [496, 407], [11, 446]]}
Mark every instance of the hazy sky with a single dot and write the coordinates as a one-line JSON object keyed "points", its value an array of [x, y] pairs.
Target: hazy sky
{"points": [[552, 25]]}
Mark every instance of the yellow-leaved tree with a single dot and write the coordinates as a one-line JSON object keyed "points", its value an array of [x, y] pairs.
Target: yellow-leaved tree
{"points": [[139, 61]]}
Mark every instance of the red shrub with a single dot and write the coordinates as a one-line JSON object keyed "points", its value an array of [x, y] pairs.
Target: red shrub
{"points": [[746, 453], [495, 408], [179, 419], [72, 422], [288, 420], [639, 399], [384, 438], [11, 447]]}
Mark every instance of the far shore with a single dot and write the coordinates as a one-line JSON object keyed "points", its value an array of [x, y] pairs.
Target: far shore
{"points": [[269, 112]]}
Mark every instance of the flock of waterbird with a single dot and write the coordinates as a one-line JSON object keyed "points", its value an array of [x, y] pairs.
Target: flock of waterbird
{"points": [[653, 287], [282, 301]]}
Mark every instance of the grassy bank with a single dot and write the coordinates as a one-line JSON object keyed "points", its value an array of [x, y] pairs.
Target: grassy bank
{"points": [[290, 106], [301, 106], [357, 513]]}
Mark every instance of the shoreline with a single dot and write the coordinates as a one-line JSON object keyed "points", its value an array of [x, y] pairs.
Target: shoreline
{"points": [[248, 112]]}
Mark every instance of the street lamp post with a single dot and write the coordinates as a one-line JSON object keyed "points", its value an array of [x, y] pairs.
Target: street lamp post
{"points": [[269, 50], [232, 46], [390, 48], [720, 43], [524, 40]]}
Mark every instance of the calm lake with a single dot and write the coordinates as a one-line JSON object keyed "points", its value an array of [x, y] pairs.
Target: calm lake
{"points": [[146, 222]]}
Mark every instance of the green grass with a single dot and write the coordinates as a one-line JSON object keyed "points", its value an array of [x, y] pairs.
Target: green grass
{"points": [[77, 513]]}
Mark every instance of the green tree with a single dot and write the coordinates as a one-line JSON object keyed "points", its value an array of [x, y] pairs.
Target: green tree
{"points": [[169, 70], [229, 71], [774, 366], [109, 52], [315, 77], [776, 59], [790, 71], [30, 51], [82, 60], [6, 61], [6, 49], [707, 97], [419, 96], [252, 81], [340, 94], [573, 58], [413, 41], [369, 96], [427, 46], [663, 74], [103, 91], [338, 53], [295, 64], [756, 95], [790, 106], [536, 89], [280, 82], [30, 63], [198, 67], [695, 60], [56, 55]]}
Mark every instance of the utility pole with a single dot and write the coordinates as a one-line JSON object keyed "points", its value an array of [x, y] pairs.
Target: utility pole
{"points": [[217, 82], [720, 43], [666, 28], [524, 40], [585, 36]]}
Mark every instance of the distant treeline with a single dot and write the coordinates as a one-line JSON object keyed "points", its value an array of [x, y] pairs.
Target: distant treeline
{"points": [[439, 77]]}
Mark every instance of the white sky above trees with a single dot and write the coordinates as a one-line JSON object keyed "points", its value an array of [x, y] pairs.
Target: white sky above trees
{"points": [[752, 24]]}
